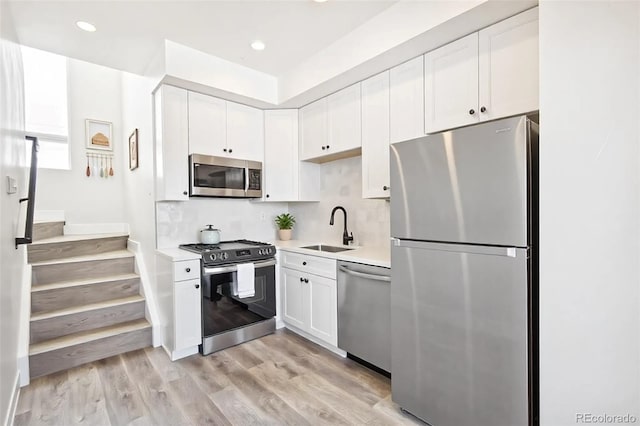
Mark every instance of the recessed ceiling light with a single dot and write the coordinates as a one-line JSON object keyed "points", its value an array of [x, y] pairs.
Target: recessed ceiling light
{"points": [[86, 26], [319, 1], [258, 45]]}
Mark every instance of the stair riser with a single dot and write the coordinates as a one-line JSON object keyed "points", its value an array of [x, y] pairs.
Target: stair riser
{"points": [[61, 298], [51, 328], [52, 251], [72, 356], [47, 230], [46, 274]]}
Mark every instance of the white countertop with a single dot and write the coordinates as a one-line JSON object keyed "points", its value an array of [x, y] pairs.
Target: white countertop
{"points": [[177, 254], [376, 256]]}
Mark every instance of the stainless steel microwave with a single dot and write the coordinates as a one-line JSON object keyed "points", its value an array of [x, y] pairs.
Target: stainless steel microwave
{"points": [[211, 176]]}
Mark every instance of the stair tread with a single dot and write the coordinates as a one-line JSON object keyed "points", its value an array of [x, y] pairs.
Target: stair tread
{"points": [[77, 237], [116, 254], [88, 307], [87, 336], [81, 282]]}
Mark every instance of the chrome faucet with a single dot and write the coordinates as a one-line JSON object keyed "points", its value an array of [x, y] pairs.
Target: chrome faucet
{"points": [[346, 238]]}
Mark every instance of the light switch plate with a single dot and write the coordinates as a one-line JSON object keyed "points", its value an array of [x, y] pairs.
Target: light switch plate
{"points": [[12, 185]]}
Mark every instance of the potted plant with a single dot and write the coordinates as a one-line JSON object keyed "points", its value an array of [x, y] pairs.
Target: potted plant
{"points": [[285, 223]]}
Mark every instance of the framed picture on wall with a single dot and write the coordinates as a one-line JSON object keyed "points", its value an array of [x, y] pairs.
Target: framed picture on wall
{"points": [[99, 134], [133, 150]]}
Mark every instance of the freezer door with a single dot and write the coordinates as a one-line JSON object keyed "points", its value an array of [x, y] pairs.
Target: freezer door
{"points": [[468, 185], [459, 333]]}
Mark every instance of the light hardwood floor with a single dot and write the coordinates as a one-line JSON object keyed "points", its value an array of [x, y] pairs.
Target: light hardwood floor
{"points": [[275, 380]]}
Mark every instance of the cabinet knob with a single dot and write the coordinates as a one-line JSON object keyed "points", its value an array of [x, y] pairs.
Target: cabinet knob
{"points": [[188, 269], [301, 279], [185, 193], [230, 151], [225, 150], [483, 109], [306, 280], [472, 111], [327, 146], [267, 195], [197, 286], [324, 147], [304, 263], [385, 188]]}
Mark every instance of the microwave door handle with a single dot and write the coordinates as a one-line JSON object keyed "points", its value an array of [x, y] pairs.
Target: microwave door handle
{"points": [[246, 180]]}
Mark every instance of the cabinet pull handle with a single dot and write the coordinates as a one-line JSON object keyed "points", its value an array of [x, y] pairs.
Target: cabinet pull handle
{"points": [[306, 281], [385, 188], [301, 279], [188, 269], [471, 111], [197, 286], [483, 109], [304, 263]]}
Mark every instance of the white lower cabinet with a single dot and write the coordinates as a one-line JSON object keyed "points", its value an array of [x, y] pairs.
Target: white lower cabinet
{"points": [[310, 302], [179, 305]]}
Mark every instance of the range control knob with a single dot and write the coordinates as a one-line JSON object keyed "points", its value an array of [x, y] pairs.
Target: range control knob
{"points": [[269, 250], [212, 256], [260, 252], [224, 256]]}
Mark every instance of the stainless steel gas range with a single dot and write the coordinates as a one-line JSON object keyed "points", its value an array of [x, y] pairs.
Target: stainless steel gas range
{"points": [[229, 316]]}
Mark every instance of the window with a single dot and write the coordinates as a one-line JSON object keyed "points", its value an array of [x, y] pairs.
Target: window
{"points": [[46, 115]]}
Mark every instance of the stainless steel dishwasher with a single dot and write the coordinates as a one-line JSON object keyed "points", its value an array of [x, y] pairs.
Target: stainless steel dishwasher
{"points": [[364, 313]]}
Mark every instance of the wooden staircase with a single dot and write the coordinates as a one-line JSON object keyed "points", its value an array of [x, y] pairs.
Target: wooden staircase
{"points": [[85, 299]]}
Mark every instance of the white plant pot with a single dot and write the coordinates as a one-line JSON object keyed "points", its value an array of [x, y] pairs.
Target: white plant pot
{"points": [[284, 234]]}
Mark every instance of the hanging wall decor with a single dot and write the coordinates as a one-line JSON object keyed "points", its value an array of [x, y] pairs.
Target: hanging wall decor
{"points": [[99, 134], [133, 150]]}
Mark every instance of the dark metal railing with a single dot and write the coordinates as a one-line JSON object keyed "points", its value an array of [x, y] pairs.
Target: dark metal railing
{"points": [[31, 197]]}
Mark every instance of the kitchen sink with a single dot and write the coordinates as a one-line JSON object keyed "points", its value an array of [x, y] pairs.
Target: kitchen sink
{"points": [[330, 249]]}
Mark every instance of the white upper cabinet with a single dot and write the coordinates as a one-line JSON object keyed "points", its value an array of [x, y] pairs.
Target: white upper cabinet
{"points": [[486, 75], [375, 136], [172, 144], [451, 85], [280, 155], [406, 97], [245, 132], [313, 130], [207, 125], [344, 131], [508, 66]]}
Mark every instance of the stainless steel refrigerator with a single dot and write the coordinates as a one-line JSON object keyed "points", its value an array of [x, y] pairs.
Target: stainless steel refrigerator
{"points": [[464, 275]]}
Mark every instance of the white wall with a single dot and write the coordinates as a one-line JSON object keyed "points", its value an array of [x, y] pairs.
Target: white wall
{"points": [[180, 222], [12, 163], [589, 210], [341, 185], [94, 92]]}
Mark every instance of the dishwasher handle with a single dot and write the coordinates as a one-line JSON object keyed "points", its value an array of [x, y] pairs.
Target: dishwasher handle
{"points": [[364, 275]]}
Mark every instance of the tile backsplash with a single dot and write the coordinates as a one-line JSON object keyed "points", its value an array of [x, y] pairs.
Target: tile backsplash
{"points": [[341, 185], [181, 221]]}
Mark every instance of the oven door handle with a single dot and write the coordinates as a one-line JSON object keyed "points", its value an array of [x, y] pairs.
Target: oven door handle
{"points": [[234, 268]]}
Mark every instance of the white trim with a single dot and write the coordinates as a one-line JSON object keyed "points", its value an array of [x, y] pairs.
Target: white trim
{"points": [[13, 404], [49, 216], [24, 327], [151, 308], [95, 228], [181, 353], [317, 341]]}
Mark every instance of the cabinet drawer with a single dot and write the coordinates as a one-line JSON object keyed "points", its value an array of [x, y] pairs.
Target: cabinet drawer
{"points": [[186, 270], [311, 264]]}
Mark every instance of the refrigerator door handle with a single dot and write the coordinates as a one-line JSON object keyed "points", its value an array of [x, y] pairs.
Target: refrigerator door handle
{"points": [[459, 248]]}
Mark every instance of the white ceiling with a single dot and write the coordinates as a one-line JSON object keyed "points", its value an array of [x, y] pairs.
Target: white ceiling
{"points": [[130, 33]]}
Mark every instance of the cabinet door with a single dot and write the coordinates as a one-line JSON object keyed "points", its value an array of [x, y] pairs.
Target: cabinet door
{"points": [[323, 308], [207, 125], [188, 315], [281, 155], [313, 129], [245, 132], [295, 298], [406, 96], [172, 144], [375, 136], [451, 85], [344, 120], [509, 66]]}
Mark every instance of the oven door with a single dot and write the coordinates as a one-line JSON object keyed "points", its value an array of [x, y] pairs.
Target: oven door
{"points": [[217, 176], [223, 311]]}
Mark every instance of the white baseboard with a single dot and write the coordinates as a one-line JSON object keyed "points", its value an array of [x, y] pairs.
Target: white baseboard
{"points": [[13, 404], [317, 341], [95, 228], [279, 324], [48, 216]]}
